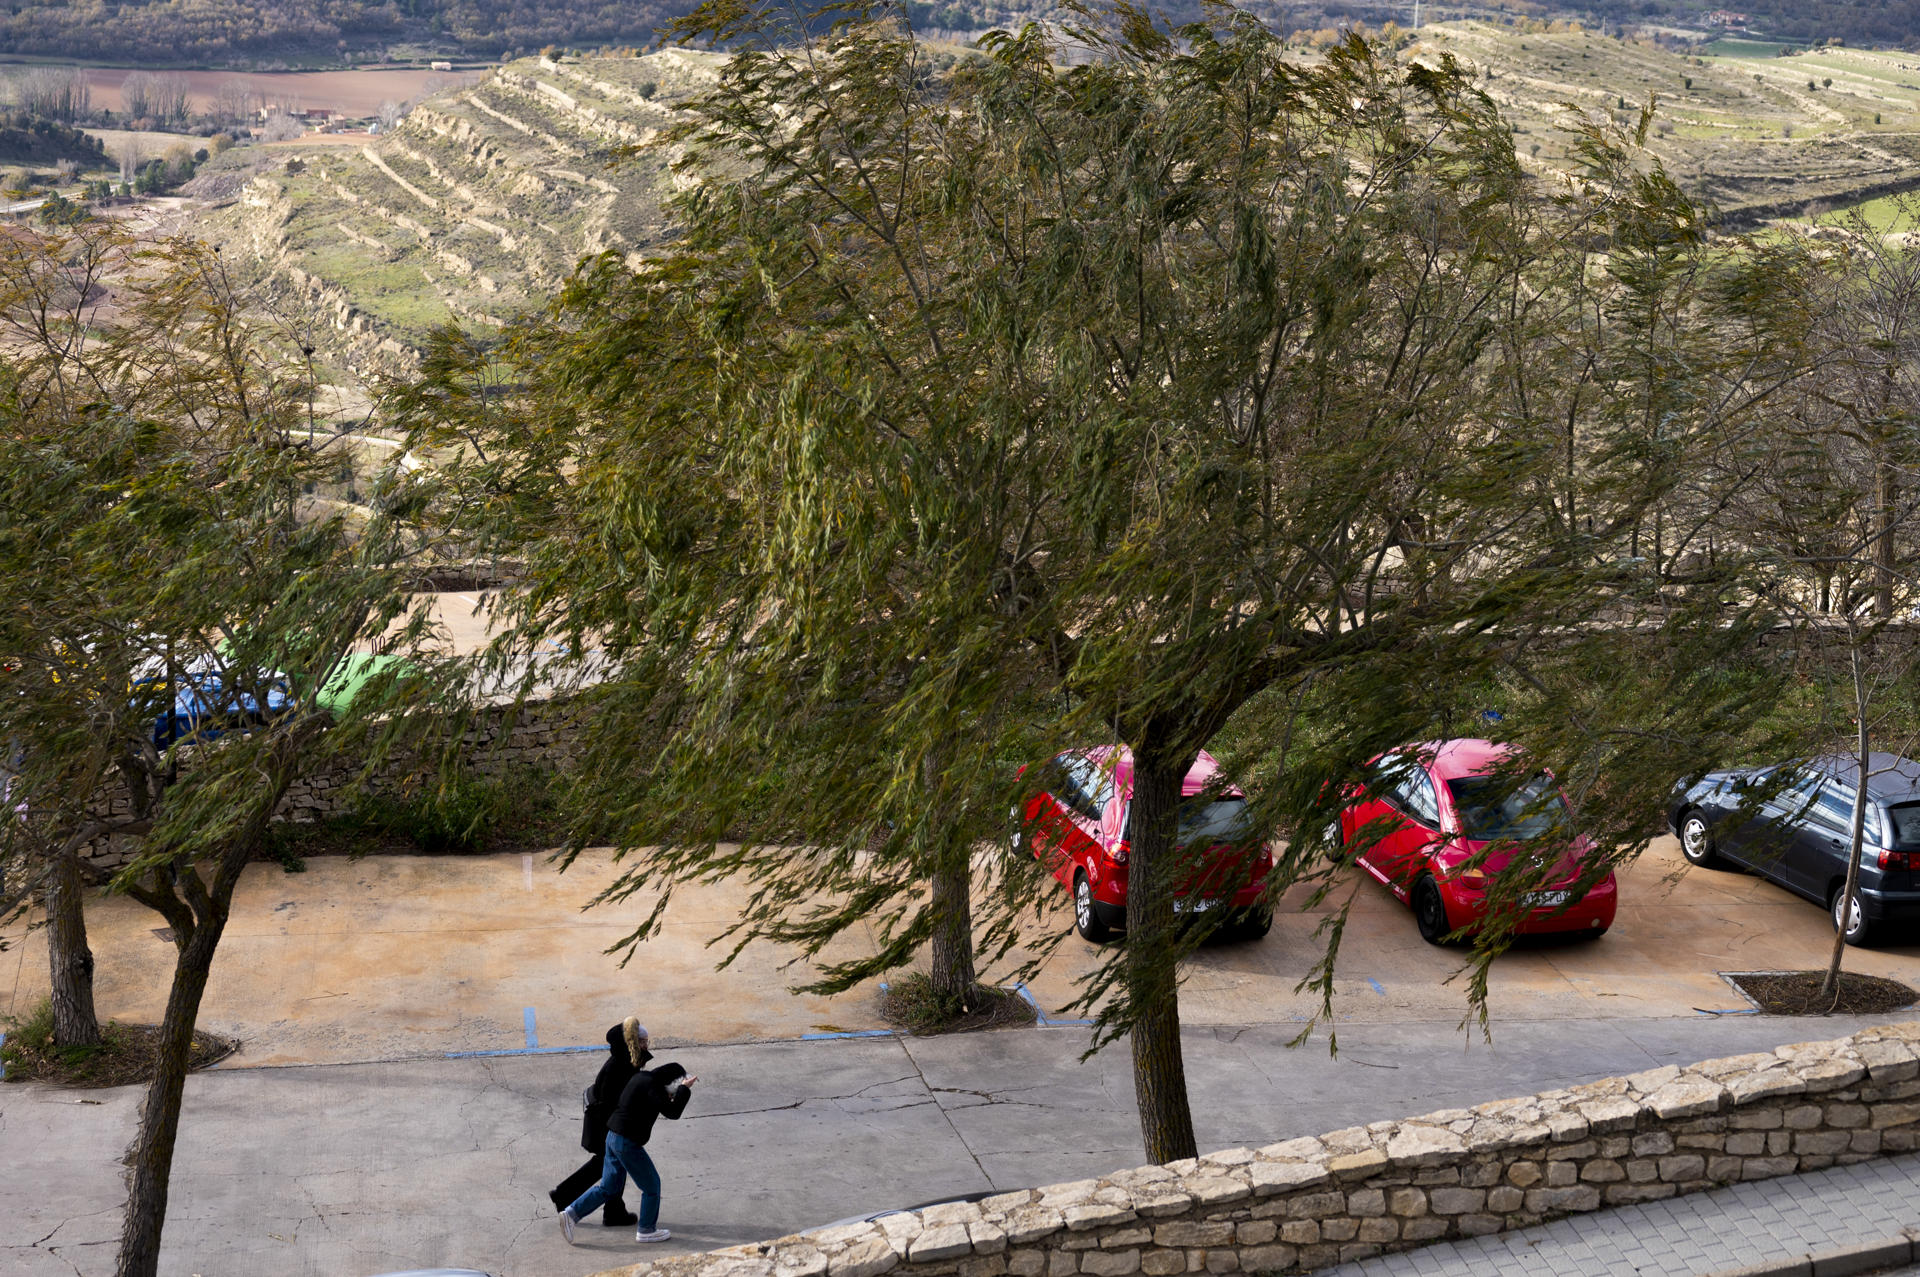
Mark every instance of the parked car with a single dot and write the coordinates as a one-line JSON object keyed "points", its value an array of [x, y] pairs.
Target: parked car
{"points": [[1438, 808], [1793, 824], [202, 705], [1077, 827]]}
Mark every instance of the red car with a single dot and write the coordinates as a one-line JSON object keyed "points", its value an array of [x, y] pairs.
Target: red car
{"points": [[1077, 827], [1441, 804]]}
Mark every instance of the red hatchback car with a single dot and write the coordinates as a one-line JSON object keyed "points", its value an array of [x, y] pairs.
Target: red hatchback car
{"points": [[1440, 805], [1077, 827]]}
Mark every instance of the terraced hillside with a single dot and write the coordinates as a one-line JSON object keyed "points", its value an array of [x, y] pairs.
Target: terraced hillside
{"points": [[483, 199], [475, 208], [1746, 133]]}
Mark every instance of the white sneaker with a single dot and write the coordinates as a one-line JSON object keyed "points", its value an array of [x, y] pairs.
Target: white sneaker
{"points": [[567, 1222], [657, 1235]]}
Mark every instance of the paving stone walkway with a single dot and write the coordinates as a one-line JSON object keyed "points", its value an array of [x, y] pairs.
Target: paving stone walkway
{"points": [[1763, 1221]]}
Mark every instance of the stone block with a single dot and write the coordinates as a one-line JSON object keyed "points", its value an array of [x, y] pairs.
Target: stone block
{"points": [[1456, 1201], [1543, 1201], [1681, 1167], [867, 1258], [1121, 1238], [1317, 1205], [1268, 1259], [1480, 1225], [1576, 1152], [1339, 1229], [1031, 1223], [1523, 1174], [1193, 1233], [1380, 1228], [1628, 1194], [1821, 1143], [1357, 1165], [1864, 1142], [1747, 1143], [1213, 1190], [1480, 1174], [1366, 1201], [1096, 1215], [1561, 1174], [983, 1266], [1416, 1145], [1885, 1115], [944, 1241], [1888, 1061], [1847, 1116], [1505, 1198], [1255, 1232], [1028, 1263], [1602, 1170], [1114, 1263], [1768, 1167], [1279, 1177], [1062, 1263], [1407, 1202], [988, 1239], [1223, 1261], [1686, 1098], [1163, 1263], [1611, 1114], [1779, 1142], [1802, 1117]]}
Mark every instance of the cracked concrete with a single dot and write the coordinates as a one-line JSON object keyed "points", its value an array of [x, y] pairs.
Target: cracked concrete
{"points": [[350, 1170]]}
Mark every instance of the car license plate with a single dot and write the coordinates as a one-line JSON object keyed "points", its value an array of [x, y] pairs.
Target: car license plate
{"points": [[1547, 899], [1182, 904]]}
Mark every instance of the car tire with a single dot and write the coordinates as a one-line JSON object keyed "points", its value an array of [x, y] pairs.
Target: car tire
{"points": [[1254, 924], [1430, 911], [1861, 932], [1696, 840], [1086, 920]]}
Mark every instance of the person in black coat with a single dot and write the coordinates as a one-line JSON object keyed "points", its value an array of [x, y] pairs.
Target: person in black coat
{"points": [[601, 1098], [649, 1095]]}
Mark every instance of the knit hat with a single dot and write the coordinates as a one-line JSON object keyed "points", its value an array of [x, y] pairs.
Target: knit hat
{"points": [[636, 1035]]}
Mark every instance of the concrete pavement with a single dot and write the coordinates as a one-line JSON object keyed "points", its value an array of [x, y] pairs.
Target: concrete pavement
{"points": [[343, 1170], [398, 957]]}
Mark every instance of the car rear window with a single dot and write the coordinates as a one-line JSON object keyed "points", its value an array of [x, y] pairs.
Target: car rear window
{"points": [[1214, 820], [1492, 810], [1906, 824]]}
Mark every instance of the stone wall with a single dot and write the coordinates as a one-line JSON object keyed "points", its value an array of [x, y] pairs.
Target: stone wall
{"points": [[1314, 1202], [542, 735]]}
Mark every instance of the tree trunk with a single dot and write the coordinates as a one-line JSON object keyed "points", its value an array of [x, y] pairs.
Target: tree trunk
{"points": [[950, 960], [150, 1163], [1886, 497], [1831, 984], [69, 959], [1152, 978]]}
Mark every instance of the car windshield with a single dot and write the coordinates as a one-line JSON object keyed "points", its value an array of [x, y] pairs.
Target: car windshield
{"points": [[1214, 820], [1906, 824], [1491, 811]]}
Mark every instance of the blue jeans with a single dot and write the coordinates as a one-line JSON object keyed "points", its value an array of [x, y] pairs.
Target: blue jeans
{"points": [[624, 1158]]}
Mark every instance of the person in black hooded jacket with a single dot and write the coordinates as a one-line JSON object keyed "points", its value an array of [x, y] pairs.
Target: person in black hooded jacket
{"points": [[601, 1098], [649, 1095]]}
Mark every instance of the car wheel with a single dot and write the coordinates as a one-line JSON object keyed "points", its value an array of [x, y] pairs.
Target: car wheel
{"points": [[1430, 911], [1696, 841], [1085, 920], [1853, 924], [1254, 924]]}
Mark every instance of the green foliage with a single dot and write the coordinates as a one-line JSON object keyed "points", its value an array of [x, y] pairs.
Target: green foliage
{"points": [[61, 211], [30, 1039]]}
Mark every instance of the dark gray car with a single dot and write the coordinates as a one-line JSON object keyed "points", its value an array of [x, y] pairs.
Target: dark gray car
{"points": [[1793, 824]]}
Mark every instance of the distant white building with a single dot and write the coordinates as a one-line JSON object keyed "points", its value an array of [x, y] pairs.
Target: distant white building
{"points": [[1727, 18]]}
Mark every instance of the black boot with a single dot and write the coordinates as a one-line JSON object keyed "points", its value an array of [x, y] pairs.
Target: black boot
{"points": [[616, 1215], [559, 1203]]}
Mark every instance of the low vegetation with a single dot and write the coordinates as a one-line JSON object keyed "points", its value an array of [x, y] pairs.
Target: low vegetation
{"points": [[125, 1055]]}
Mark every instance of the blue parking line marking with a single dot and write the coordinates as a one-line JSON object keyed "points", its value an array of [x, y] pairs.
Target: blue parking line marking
{"points": [[1727, 1010], [1040, 1016], [533, 1039], [526, 1050], [852, 1033], [1376, 986]]}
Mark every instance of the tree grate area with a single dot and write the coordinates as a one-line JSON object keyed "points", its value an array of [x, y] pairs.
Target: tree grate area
{"points": [[912, 1003], [125, 1056], [1798, 993]]}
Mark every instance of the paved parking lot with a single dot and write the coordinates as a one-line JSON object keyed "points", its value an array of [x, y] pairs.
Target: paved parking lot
{"points": [[396, 957]]}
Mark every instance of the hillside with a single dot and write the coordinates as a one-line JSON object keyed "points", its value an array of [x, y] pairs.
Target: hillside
{"points": [[475, 208], [479, 204], [1755, 136]]}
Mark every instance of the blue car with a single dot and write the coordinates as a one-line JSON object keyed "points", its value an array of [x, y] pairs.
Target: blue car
{"points": [[202, 706], [1793, 825]]}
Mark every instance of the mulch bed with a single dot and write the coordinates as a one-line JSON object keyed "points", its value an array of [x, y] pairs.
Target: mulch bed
{"points": [[127, 1057], [1798, 993], [909, 1003]]}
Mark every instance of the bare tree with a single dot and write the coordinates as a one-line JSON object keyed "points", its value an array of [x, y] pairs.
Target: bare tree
{"points": [[391, 113], [59, 93], [282, 127], [136, 96], [172, 98], [234, 100], [133, 154]]}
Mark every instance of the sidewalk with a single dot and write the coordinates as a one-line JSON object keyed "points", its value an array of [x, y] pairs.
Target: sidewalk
{"points": [[1773, 1221]]}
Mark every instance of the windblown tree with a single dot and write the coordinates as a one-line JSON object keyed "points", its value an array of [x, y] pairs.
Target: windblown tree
{"points": [[175, 604], [1179, 378]]}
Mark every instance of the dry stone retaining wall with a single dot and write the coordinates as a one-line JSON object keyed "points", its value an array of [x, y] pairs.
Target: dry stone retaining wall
{"points": [[1314, 1202], [541, 735]]}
